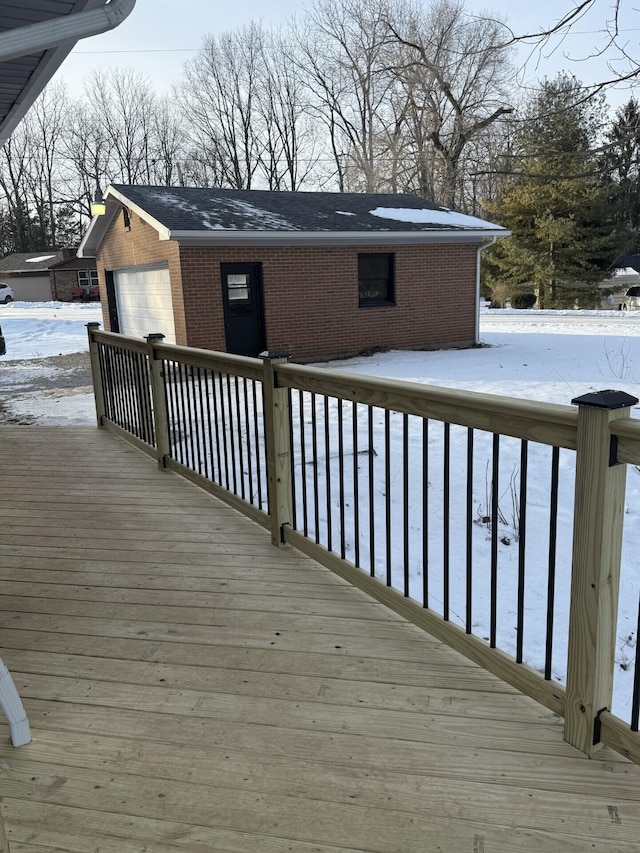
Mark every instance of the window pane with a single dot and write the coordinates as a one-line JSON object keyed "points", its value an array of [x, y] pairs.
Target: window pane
{"points": [[238, 287], [375, 278]]}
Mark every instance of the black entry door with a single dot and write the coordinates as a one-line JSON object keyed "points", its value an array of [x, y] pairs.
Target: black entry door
{"points": [[243, 313]]}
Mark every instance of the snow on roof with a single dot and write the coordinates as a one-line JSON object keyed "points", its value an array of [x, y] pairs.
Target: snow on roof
{"points": [[260, 218], [207, 215], [432, 217], [39, 259]]}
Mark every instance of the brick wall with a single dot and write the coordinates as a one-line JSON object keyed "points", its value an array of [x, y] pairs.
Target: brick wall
{"points": [[311, 293], [311, 298], [63, 283]]}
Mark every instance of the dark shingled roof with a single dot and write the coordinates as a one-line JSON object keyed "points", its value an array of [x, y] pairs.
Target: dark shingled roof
{"points": [[189, 209], [25, 262]]}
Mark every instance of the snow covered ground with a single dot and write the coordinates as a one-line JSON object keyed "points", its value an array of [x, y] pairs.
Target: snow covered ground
{"points": [[541, 355]]}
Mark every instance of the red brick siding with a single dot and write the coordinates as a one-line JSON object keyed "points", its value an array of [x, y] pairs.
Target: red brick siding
{"points": [[311, 298], [311, 293]]}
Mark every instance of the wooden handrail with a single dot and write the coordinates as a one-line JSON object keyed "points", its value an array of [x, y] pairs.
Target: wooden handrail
{"points": [[547, 423]]}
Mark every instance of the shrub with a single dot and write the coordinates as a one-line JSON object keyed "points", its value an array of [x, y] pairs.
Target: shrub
{"points": [[523, 300]]}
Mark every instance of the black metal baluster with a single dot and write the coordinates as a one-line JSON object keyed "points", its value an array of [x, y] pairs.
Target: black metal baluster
{"points": [[551, 582], [356, 492], [124, 416], [166, 385], [494, 540], [247, 426], [196, 429], [425, 512], [405, 500], [387, 489], [224, 430], [303, 465], [372, 502], [202, 427], [521, 521], [635, 693], [314, 428], [292, 466], [211, 475], [446, 520], [189, 417], [186, 427], [343, 549], [258, 443], [232, 434], [174, 422], [215, 393], [469, 534], [328, 475], [239, 437]]}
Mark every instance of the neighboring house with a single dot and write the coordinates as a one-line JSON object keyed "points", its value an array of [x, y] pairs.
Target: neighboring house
{"points": [[28, 274], [319, 275], [45, 275], [74, 278]]}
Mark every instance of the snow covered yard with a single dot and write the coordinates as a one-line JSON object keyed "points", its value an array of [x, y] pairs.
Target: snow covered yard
{"points": [[546, 356]]}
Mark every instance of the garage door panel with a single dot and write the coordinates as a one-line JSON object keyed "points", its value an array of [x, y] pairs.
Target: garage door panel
{"points": [[144, 303]]}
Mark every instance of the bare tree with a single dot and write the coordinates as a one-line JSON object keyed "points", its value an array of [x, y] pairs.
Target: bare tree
{"points": [[614, 19], [219, 94], [123, 101], [342, 59], [289, 145], [455, 71]]}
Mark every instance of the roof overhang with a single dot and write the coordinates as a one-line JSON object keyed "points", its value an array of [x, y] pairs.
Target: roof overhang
{"points": [[30, 54], [115, 200], [329, 238]]}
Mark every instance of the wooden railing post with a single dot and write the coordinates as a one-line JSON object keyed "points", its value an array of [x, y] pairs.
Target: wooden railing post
{"points": [[278, 446], [159, 401], [595, 572], [96, 373]]}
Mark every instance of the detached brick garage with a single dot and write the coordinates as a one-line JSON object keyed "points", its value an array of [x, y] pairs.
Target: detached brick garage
{"points": [[319, 275]]}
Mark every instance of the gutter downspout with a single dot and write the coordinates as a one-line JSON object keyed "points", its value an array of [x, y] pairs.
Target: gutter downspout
{"points": [[13, 708], [36, 38], [479, 252]]}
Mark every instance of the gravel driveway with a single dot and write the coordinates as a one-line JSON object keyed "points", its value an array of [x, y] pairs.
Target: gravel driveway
{"points": [[58, 376]]}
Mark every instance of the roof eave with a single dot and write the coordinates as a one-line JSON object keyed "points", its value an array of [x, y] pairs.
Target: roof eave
{"points": [[99, 225], [330, 238]]}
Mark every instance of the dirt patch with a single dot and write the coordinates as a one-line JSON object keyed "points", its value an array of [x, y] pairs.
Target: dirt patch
{"points": [[58, 375]]}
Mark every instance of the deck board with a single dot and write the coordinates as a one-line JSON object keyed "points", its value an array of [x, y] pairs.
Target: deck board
{"points": [[190, 688]]}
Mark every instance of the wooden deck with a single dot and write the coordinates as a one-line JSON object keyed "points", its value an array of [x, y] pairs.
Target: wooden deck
{"points": [[191, 688]]}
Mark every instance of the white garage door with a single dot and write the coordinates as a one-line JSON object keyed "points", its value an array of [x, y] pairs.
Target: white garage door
{"points": [[143, 298]]}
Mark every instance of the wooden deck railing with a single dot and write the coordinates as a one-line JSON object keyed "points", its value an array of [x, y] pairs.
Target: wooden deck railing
{"points": [[380, 480]]}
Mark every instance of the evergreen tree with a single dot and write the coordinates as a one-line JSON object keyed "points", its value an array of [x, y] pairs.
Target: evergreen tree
{"points": [[620, 168], [555, 205]]}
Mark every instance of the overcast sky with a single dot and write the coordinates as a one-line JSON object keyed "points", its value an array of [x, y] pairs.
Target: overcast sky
{"points": [[160, 35]]}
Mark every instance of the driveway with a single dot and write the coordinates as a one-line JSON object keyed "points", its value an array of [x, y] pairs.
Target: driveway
{"points": [[56, 381]]}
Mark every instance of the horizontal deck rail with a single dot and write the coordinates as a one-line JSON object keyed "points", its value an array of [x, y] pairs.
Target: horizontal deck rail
{"points": [[365, 474]]}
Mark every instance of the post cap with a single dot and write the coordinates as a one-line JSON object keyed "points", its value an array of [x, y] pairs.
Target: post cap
{"points": [[270, 354], [606, 400], [93, 325], [155, 336]]}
